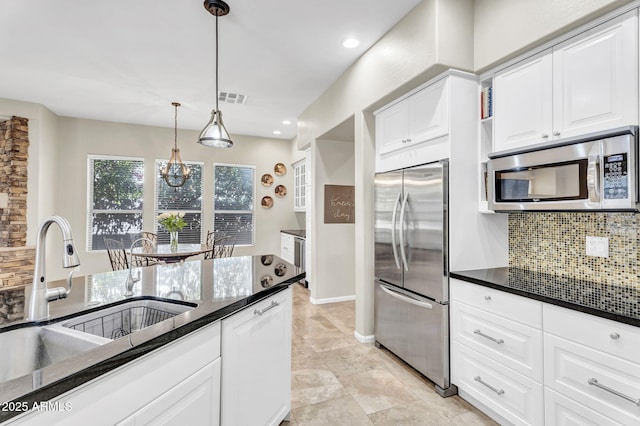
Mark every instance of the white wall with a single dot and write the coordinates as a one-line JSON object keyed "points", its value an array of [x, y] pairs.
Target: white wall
{"points": [[333, 255], [505, 28]]}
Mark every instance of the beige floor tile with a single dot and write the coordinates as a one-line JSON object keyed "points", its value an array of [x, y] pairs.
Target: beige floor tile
{"points": [[349, 360], [335, 412], [310, 387], [376, 390]]}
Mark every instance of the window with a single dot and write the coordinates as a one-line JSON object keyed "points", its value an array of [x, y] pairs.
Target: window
{"points": [[234, 192], [115, 199], [187, 199]]}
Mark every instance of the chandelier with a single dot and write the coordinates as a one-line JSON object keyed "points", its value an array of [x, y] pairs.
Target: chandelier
{"points": [[175, 173]]}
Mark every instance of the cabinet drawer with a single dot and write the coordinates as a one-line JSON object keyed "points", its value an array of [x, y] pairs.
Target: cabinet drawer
{"points": [[560, 410], [287, 249], [621, 340], [517, 308], [513, 344], [570, 367], [513, 396]]}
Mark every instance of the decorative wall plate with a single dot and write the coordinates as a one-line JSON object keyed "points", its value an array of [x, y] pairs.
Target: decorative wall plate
{"points": [[281, 191], [267, 202], [280, 169], [280, 269], [266, 179]]}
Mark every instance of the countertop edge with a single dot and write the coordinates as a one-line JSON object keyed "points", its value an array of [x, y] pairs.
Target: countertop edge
{"points": [[94, 371], [575, 307]]}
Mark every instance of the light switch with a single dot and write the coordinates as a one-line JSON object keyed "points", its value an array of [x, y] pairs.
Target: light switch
{"points": [[597, 246]]}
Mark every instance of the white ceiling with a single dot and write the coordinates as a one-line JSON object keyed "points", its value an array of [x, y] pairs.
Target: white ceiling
{"points": [[127, 60]]}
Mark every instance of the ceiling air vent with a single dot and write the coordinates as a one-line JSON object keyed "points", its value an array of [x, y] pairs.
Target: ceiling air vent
{"points": [[232, 98]]}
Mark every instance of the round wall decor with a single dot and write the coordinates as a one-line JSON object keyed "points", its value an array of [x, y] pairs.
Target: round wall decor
{"points": [[280, 169], [266, 179]]}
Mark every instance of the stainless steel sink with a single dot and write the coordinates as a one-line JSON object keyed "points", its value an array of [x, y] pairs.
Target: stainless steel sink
{"points": [[126, 318], [28, 349]]}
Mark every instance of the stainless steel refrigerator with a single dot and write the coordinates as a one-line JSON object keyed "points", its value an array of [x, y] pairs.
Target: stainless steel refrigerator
{"points": [[411, 269]]}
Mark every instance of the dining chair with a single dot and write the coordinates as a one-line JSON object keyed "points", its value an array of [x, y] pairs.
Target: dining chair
{"points": [[117, 254], [223, 246], [210, 242], [147, 261]]}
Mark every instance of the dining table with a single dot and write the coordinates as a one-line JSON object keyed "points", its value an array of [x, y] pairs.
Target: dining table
{"points": [[164, 252]]}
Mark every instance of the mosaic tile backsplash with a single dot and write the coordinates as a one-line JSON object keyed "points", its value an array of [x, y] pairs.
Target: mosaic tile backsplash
{"points": [[554, 243]]}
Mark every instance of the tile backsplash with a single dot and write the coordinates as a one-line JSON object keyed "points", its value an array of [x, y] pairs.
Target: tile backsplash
{"points": [[554, 243]]}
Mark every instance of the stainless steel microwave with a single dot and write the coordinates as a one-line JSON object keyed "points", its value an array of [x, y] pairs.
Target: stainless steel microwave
{"points": [[598, 171]]}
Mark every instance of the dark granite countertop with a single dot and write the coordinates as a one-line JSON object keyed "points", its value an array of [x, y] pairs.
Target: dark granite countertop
{"points": [[618, 303], [296, 232], [219, 287]]}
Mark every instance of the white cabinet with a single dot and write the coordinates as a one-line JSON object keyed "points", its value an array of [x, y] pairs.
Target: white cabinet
{"points": [[496, 356], [300, 186], [179, 379], [584, 84], [256, 368], [593, 362], [287, 247]]}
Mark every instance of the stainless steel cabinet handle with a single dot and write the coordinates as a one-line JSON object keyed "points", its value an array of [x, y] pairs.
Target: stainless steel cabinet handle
{"points": [[556, 133], [262, 311], [402, 252], [614, 336], [479, 380], [487, 298], [493, 339], [406, 298], [544, 136], [594, 382], [393, 230]]}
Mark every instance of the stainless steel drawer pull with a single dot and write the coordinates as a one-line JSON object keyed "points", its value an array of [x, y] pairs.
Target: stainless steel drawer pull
{"points": [[594, 382], [479, 380], [493, 339], [487, 298], [614, 336], [262, 311]]}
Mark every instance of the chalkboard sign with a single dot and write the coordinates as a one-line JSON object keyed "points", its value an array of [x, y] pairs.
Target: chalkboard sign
{"points": [[339, 204]]}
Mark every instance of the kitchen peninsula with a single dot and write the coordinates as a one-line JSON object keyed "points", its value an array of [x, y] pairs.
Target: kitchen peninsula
{"points": [[174, 369]]}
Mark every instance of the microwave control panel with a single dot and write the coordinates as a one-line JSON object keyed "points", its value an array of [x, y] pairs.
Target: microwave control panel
{"points": [[616, 180]]}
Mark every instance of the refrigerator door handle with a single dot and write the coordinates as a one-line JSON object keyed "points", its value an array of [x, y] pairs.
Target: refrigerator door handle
{"points": [[402, 252], [393, 230], [406, 298]]}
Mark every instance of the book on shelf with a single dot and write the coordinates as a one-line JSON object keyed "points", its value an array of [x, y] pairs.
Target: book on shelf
{"points": [[486, 103]]}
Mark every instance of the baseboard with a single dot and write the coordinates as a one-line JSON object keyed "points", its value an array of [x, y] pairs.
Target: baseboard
{"points": [[367, 340], [332, 300], [480, 406]]}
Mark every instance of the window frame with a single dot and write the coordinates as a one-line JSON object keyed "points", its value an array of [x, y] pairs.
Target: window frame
{"points": [[253, 206], [90, 191], [156, 211]]}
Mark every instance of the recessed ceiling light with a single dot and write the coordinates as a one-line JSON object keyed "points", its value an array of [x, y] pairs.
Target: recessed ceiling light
{"points": [[350, 43], [276, 132], [286, 122]]}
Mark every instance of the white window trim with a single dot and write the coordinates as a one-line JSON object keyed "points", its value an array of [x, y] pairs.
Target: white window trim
{"points": [[90, 211], [253, 206]]}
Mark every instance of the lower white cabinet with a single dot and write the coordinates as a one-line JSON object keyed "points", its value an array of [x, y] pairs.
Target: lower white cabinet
{"points": [[256, 363], [179, 379], [562, 411], [287, 247]]}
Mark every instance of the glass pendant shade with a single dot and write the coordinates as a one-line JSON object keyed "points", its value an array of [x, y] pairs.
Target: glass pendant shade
{"points": [[214, 134], [175, 173]]}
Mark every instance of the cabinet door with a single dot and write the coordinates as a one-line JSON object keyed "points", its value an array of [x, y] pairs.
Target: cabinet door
{"points": [[256, 363], [522, 103], [287, 248], [595, 78], [300, 186], [392, 128], [429, 113]]}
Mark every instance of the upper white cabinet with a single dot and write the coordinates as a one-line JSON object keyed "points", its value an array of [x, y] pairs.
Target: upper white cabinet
{"points": [[585, 84], [300, 186], [418, 127]]}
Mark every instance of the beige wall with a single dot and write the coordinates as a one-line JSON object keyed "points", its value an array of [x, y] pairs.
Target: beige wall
{"points": [[506, 28], [58, 152]]}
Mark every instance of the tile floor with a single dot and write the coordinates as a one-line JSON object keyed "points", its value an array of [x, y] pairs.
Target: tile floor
{"points": [[338, 381]]}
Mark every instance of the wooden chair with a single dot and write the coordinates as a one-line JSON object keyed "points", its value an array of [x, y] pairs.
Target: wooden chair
{"points": [[117, 254]]}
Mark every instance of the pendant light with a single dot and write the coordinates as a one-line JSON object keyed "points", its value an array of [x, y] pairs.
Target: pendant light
{"points": [[175, 173], [215, 134]]}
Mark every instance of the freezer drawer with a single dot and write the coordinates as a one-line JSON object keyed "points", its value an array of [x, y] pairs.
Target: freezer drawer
{"points": [[415, 329]]}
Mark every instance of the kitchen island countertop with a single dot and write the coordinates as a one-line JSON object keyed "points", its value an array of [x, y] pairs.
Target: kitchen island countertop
{"points": [[219, 287], [615, 302]]}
